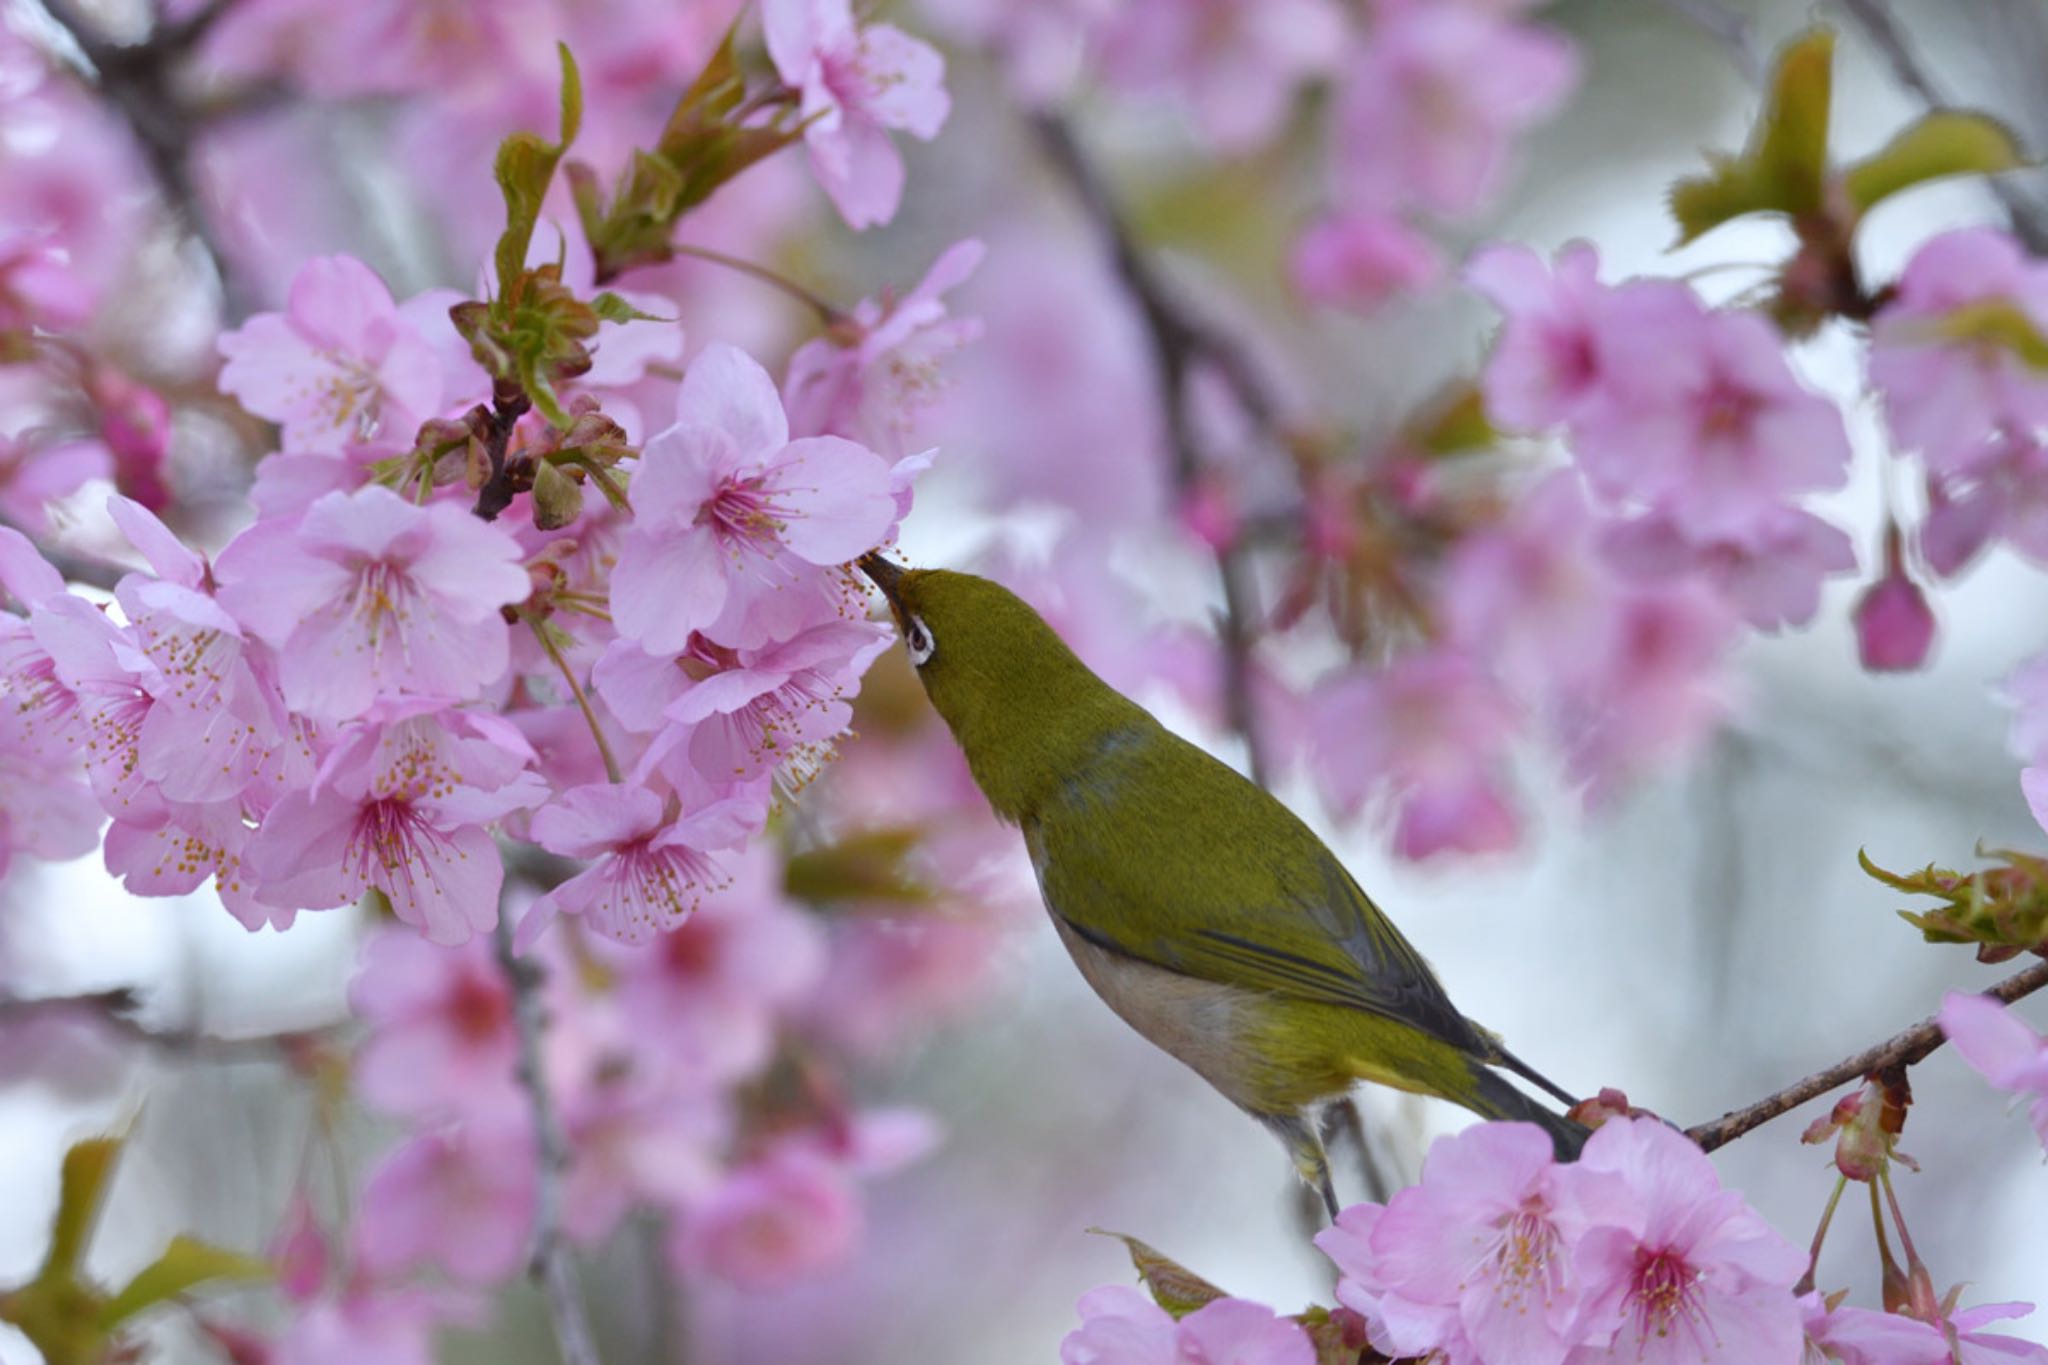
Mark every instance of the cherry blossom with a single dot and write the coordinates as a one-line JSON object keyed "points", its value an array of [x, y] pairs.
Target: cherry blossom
{"points": [[369, 596], [1235, 65], [1360, 260], [400, 805], [1120, 1326], [874, 373], [780, 1216], [344, 362], [2000, 1046], [441, 1037], [461, 1199], [652, 866], [733, 521], [856, 82], [1948, 399]]}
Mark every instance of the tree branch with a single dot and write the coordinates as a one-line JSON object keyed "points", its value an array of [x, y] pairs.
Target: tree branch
{"points": [[114, 1009], [1179, 341], [140, 81], [1904, 1049], [1884, 34], [549, 1265]]}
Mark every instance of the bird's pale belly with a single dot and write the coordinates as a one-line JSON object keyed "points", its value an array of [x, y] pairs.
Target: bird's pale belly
{"points": [[1202, 1023]]}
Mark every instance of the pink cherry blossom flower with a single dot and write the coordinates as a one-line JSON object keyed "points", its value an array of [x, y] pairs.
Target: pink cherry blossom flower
{"points": [[2001, 1048], [35, 473], [400, 805], [370, 596], [873, 374], [1948, 399], [112, 684], [714, 989], [652, 866], [1120, 1326], [342, 364], [1569, 346], [392, 1326], [1235, 65], [889, 980], [300, 1251], [780, 1217], [1655, 691], [1681, 1270], [1360, 260], [2004, 496], [1770, 572], [856, 82], [777, 710], [461, 1199], [441, 1042], [637, 1140], [1480, 1250], [733, 521], [1431, 100], [1722, 433], [1430, 731]]}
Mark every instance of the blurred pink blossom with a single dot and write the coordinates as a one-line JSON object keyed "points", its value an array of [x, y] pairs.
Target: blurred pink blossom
{"points": [[1999, 1045], [1120, 1326], [855, 83], [441, 1040], [1234, 65], [461, 1199], [779, 1217], [1361, 260]]}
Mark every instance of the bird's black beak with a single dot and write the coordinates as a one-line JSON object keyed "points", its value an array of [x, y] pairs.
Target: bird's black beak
{"points": [[885, 576]]}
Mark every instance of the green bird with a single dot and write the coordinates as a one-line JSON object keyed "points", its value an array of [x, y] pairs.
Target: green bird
{"points": [[1200, 909]]}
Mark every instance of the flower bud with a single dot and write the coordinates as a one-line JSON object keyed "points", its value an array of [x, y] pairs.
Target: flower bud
{"points": [[1894, 624]]}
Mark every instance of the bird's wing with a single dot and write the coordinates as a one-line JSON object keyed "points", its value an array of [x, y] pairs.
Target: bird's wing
{"points": [[1190, 867]]}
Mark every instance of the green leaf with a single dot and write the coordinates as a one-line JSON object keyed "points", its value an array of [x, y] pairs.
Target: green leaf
{"points": [[1173, 1286], [1990, 322], [1944, 143], [612, 308], [1459, 425], [524, 169], [87, 1168], [1784, 167], [185, 1265], [869, 865]]}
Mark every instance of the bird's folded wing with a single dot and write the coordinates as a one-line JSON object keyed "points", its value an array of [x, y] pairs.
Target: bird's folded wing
{"points": [[1253, 900]]}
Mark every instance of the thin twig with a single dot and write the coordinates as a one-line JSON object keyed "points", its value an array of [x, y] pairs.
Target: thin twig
{"points": [[1179, 342], [826, 311], [1904, 1049], [1884, 33], [549, 1264]]}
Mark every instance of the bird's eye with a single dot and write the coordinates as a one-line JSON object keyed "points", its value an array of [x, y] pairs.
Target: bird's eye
{"points": [[918, 640]]}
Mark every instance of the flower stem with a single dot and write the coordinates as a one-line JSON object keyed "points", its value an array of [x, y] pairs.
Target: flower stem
{"points": [[554, 651], [1820, 1235], [827, 313]]}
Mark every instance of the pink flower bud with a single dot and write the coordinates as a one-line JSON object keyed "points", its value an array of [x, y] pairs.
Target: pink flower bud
{"points": [[1210, 514], [1894, 624]]}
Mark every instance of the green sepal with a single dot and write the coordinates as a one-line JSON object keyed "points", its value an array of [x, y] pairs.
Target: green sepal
{"points": [[1992, 322], [1173, 1286], [557, 498], [185, 1265], [612, 308], [868, 866], [1784, 167], [1944, 143], [1458, 426], [1338, 1337], [88, 1167]]}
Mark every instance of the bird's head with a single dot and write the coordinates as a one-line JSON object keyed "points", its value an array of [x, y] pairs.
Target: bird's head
{"points": [[1016, 698]]}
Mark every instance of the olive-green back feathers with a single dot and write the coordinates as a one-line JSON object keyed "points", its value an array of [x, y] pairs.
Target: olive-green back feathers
{"points": [[1145, 844]]}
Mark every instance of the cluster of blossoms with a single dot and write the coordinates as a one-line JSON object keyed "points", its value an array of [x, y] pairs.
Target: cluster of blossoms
{"points": [[1636, 1251]]}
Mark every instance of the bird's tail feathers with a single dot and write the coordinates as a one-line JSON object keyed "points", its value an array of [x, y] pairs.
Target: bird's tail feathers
{"points": [[1503, 1057], [1496, 1099]]}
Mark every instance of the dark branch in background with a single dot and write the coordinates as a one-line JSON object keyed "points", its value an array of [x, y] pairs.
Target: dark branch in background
{"points": [[1884, 34], [116, 1009], [1903, 1050], [1180, 341], [140, 80], [549, 1266]]}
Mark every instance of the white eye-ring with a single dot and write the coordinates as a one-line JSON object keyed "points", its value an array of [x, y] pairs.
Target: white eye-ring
{"points": [[917, 638]]}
